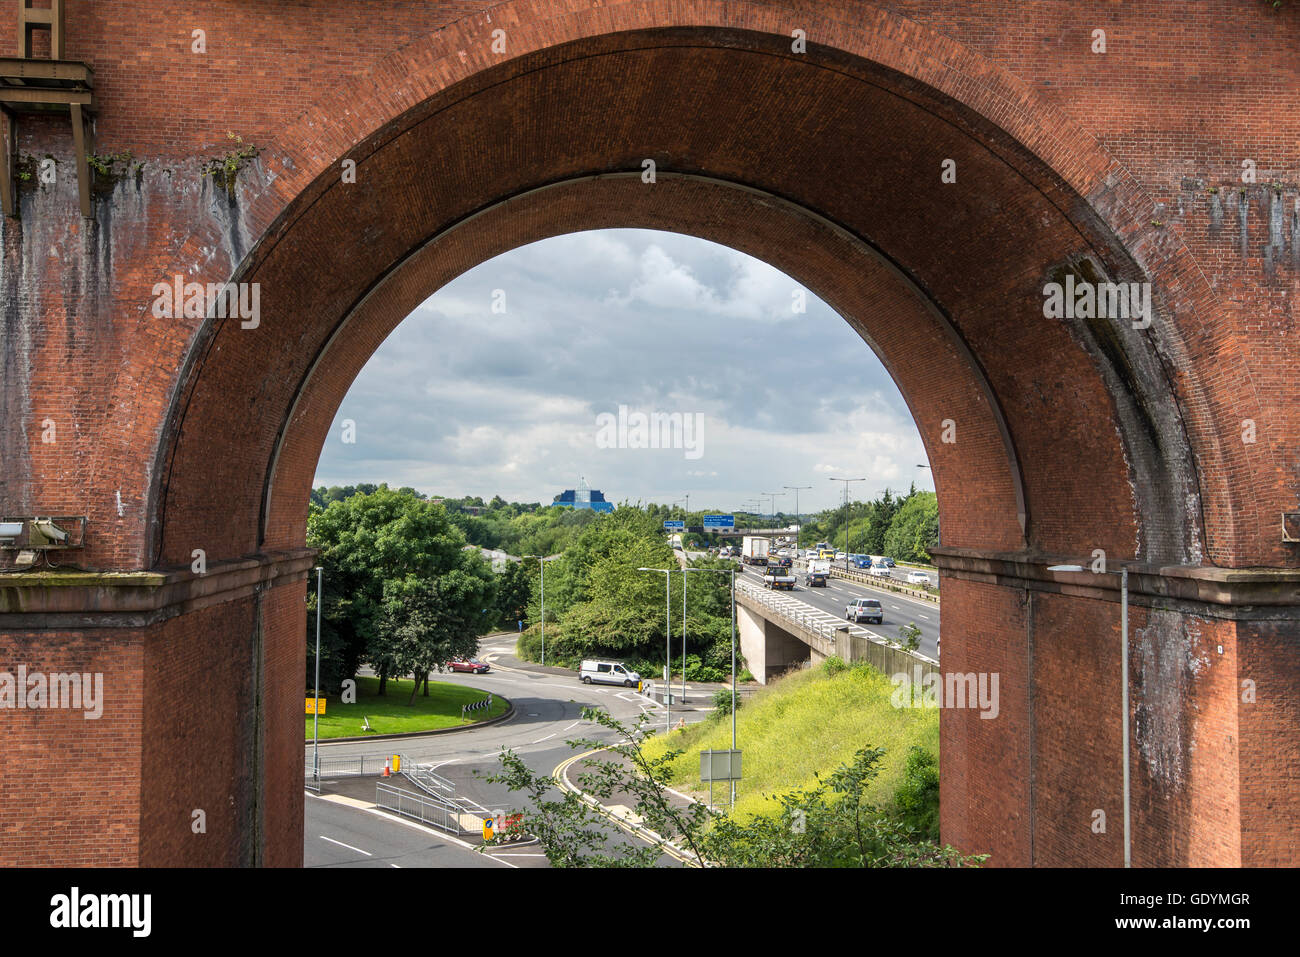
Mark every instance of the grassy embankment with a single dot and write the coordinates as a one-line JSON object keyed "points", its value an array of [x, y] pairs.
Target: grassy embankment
{"points": [[390, 713], [807, 723]]}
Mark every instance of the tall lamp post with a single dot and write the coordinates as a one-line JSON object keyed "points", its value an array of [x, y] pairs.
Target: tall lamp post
{"points": [[773, 497], [668, 648], [798, 519], [1123, 671], [732, 573], [315, 717], [541, 564], [846, 515]]}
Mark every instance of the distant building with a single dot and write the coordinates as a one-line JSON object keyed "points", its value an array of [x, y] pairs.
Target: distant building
{"points": [[584, 496]]}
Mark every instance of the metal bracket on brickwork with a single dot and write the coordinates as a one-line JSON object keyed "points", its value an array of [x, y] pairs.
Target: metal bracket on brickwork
{"points": [[1291, 527], [55, 85]]}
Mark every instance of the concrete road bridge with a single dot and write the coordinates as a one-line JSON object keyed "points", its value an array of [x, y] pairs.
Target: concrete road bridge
{"points": [[944, 175]]}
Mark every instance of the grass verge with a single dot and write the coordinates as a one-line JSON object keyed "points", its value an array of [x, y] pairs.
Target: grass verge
{"points": [[805, 724], [390, 713]]}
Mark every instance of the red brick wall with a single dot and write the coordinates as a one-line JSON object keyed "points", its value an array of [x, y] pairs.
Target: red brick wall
{"points": [[984, 766], [167, 429], [1269, 753], [70, 786], [201, 738]]}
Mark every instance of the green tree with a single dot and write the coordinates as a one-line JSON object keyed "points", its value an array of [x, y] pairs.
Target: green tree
{"points": [[914, 530], [425, 623], [365, 541]]}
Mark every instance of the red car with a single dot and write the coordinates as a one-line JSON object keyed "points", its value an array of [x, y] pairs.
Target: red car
{"points": [[473, 666]]}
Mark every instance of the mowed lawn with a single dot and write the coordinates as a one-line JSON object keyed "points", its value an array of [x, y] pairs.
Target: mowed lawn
{"points": [[805, 724], [390, 714]]}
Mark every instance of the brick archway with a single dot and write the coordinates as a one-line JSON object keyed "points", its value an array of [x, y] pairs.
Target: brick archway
{"points": [[826, 164]]}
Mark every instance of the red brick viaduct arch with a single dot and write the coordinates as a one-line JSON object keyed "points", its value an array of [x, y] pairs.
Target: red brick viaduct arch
{"points": [[1071, 435]]}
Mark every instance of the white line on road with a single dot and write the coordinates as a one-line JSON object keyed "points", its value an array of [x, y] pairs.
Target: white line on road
{"points": [[574, 725], [348, 846], [547, 738]]}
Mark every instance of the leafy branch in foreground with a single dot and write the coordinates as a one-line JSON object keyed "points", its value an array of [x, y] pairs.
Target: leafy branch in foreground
{"points": [[829, 825]]}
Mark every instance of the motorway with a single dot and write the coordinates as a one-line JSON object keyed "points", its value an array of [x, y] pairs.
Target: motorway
{"points": [[899, 610], [344, 830]]}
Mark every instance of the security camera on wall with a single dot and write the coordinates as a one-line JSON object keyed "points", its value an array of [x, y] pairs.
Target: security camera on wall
{"points": [[45, 532]]}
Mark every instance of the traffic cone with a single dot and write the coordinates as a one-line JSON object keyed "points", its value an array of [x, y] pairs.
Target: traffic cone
{"points": [[387, 773]]}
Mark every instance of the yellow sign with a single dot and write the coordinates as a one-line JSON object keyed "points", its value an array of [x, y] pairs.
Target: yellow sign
{"points": [[315, 705]]}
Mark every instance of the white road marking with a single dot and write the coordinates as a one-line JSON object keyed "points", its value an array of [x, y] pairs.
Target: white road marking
{"points": [[517, 855], [547, 738], [348, 846], [574, 725], [919, 615]]}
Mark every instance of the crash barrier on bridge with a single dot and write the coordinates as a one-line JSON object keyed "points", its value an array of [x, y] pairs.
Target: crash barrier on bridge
{"points": [[884, 584], [484, 704], [884, 655]]}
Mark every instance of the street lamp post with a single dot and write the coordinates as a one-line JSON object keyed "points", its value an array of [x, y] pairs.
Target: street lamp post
{"points": [[668, 648], [846, 515], [798, 519], [732, 573], [541, 564], [773, 496], [315, 718]]}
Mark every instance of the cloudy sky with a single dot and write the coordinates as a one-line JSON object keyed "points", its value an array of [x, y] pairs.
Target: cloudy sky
{"points": [[465, 400]]}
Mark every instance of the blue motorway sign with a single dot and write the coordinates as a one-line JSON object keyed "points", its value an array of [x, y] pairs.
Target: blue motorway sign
{"points": [[719, 521], [679, 526]]}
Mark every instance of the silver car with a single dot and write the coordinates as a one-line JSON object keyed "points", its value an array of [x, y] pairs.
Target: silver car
{"points": [[865, 609]]}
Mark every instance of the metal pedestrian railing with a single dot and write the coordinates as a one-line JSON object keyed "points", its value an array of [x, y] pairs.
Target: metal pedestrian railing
{"points": [[357, 765], [428, 810]]}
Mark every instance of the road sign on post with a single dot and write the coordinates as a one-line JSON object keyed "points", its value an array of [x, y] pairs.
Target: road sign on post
{"points": [[675, 526], [315, 706], [719, 765], [719, 522]]}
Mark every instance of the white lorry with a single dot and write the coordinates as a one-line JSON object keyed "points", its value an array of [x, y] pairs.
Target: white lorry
{"points": [[819, 569], [754, 549]]}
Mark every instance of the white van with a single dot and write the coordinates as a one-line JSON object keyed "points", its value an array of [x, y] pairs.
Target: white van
{"points": [[608, 673]]}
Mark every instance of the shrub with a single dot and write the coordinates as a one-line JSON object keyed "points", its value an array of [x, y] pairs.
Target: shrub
{"points": [[722, 703], [916, 802], [833, 666]]}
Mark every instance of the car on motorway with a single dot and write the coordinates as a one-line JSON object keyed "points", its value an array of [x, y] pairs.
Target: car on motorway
{"points": [[724, 552], [810, 553], [865, 609], [878, 571], [472, 666], [860, 561], [918, 578], [608, 673]]}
